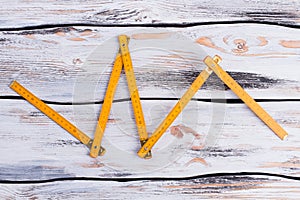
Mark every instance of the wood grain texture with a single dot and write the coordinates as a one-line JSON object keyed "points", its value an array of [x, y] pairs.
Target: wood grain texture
{"points": [[28, 13], [206, 138], [228, 187], [263, 59]]}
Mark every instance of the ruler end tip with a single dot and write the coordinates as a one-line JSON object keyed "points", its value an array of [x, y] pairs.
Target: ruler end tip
{"points": [[284, 137], [93, 155], [206, 58], [123, 36], [141, 154], [12, 83], [145, 155]]}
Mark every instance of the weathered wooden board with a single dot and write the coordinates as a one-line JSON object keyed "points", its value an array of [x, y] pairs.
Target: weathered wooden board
{"points": [[28, 13], [58, 64], [206, 138], [263, 59], [227, 187]]}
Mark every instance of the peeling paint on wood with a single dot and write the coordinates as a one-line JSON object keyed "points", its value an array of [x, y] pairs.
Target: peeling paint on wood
{"points": [[263, 59], [58, 59], [18, 14], [237, 142], [226, 187]]}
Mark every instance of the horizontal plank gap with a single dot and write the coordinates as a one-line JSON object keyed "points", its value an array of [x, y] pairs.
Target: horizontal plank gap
{"points": [[150, 25], [213, 175], [213, 100]]}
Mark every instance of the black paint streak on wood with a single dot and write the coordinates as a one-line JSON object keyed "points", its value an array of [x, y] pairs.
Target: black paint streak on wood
{"points": [[248, 81], [262, 15], [48, 31], [215, 184], [62, 143], [219, 152], [183, 79], [4, 41], [31, 172], [113, 15]]}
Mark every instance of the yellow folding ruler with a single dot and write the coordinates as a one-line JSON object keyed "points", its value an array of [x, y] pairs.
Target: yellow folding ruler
{"points": [[123, 59], [248, 100], [187, 96], [52, 114], [212, 65]]}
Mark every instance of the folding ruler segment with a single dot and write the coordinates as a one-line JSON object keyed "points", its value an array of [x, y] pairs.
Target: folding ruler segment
{"points": [[122, 59], [134, 93], [96, 148], [161, 129], [243, 95], [52, 114]]}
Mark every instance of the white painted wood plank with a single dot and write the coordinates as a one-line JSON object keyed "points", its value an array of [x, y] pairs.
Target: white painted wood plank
{"points": [[58, 57], [28, 13], [212, 138], [264, 59], [227, 187]]}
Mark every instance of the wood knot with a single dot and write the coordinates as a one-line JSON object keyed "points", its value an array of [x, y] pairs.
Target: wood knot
{"points": [[77, 61], [241, 46]]}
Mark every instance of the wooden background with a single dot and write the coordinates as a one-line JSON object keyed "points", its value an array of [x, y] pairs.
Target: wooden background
{"points": [[47, 46]]}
